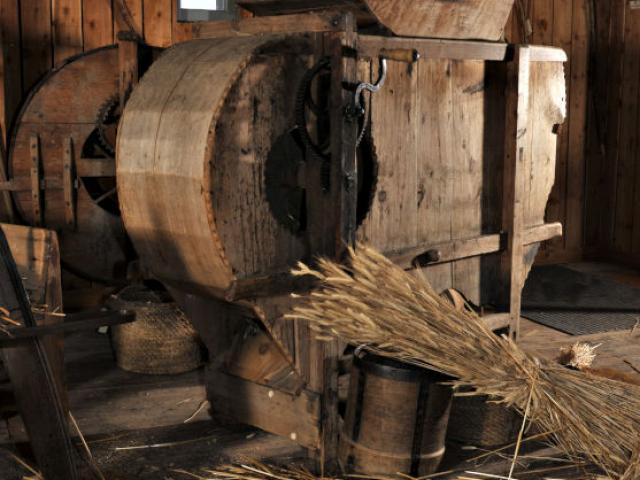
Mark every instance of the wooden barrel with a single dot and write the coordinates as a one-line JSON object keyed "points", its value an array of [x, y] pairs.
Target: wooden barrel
{"points": [[396, 419], [460, 19], [58, 135]]}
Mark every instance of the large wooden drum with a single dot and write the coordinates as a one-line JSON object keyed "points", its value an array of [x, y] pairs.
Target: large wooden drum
{"points": [[192, 151]]}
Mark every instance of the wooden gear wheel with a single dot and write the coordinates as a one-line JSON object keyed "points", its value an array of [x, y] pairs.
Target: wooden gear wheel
{"points": [[62, 174]]}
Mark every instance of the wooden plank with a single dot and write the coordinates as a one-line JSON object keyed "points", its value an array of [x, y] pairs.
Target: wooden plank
{"points": [[392, 221], [543, 22], [517, 120], [97, 23], [617, 38], [471, 247], [629, 106], [157, 22], [556, 209], [128, 64], [598, 169], [180, 31], [497, 321], [68, 181], [468, 179], [295, 23], [128, 16], [369, 46], [344, 174], [37, 391], [36, 200], [577, 112], [10, 65], [67, 29], [294, 416], [279, 7], [434, 166], [37, 51]]}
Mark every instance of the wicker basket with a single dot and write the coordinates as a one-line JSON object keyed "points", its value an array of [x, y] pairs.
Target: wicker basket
{"points": [[475, 421], [160, 341]]}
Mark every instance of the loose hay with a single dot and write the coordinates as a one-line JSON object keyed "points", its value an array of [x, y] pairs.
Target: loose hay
{"points": [[374, 303]]}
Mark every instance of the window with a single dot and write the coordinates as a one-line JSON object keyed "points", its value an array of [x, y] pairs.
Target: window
{"points": [[205, 10]]}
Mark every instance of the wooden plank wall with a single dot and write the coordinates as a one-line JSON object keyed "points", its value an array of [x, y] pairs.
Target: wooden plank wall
{"points": [[37, 34], [613, 146]]}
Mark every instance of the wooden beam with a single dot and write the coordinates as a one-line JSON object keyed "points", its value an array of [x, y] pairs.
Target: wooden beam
{"points": [[128, 63], [38, 395], [517, 114], [297, 417], [497, 321], [370, 46], [298, 23], [469, 247], [434, 254]]}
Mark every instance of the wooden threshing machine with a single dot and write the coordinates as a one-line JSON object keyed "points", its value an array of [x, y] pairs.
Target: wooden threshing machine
{"points": [[278, 138]]}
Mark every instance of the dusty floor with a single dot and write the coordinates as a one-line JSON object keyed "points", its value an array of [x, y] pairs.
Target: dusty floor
{"points": [[135, 424]]}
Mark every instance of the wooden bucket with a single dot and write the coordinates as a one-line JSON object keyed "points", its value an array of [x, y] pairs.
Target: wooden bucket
{"points": [[396, 418]]}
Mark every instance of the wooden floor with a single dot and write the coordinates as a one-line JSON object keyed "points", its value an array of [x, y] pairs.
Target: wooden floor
{"points": [[617, 351], [135, 424]]}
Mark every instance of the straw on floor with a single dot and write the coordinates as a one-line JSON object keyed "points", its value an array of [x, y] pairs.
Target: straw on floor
{"points": [[397, 314]]}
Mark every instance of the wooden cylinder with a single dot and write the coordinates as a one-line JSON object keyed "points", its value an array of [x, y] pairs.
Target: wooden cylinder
{"points": [[461, 19], [192, 150], [396, 419]]}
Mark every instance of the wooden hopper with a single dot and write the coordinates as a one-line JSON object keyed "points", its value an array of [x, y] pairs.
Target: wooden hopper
{"points": [[462, 19]]}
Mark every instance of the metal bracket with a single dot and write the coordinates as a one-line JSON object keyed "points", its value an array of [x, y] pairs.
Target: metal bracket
{"points": [[69, 183], [36, 181]]}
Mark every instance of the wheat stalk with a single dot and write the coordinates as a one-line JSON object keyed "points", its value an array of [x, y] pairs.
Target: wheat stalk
{"points": [[373, 302]]}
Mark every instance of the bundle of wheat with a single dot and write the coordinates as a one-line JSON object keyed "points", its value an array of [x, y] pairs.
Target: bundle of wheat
{"points": [[374, 303]]}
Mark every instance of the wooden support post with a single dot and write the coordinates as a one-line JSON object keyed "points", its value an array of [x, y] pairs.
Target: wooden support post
{"points": [[32, 370], [517, 104], [344, 70], [36, 181], [128, 64], [69, 183], [344, 132], [6, 113]]}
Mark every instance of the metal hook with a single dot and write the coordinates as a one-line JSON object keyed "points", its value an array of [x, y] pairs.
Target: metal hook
{"points": [[373, 88]]}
